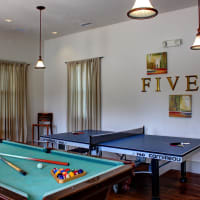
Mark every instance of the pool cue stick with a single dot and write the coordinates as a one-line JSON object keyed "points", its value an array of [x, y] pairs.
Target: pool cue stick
{"points": [[21, 171], [36, 159]]}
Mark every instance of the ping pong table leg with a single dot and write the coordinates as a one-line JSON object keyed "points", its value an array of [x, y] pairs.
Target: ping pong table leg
{"points": [[155, 179], [183, 178]]}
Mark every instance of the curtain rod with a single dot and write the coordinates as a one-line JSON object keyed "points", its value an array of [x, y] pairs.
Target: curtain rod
{"points": [[82, 59], [13, 62]]}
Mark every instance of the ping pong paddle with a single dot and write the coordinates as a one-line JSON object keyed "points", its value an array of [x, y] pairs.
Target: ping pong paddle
{"points": [[179, 144], [77, 133]]}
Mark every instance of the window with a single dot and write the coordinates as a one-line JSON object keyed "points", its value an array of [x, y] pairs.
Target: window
{"points": [[84, 94], [13, 123]]}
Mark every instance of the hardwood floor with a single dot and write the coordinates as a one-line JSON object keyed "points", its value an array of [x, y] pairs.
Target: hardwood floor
{"points": [[170, 188]]}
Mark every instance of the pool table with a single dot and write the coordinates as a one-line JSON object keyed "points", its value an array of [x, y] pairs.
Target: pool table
{"points": [[40, 184]]}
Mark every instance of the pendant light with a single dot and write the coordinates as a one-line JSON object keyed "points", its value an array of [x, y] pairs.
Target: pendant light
{"points": [[142, 9], [196, 45], [40, 64]]}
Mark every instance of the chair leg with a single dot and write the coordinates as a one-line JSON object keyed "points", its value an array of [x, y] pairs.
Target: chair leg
{"points": [[32, 134], [38, 137], [47, 135], [51, 128], [38, 128]]}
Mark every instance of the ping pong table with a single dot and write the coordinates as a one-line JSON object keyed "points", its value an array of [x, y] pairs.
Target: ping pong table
{"points": [[136, 143]]}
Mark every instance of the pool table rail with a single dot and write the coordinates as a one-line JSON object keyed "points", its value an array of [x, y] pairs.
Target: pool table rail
{"points": [[6, 194]]}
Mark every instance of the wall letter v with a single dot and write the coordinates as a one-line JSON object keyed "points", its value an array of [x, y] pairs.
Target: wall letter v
{"points": [[170, 82]]}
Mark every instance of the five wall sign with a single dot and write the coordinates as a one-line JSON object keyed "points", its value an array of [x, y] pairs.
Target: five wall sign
{"points": [[190, 80]]}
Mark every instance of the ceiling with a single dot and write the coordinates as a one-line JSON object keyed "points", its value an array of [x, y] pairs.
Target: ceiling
{"points": [[66, 16]]}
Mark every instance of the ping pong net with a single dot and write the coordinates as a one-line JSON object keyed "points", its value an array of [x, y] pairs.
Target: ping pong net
{"points": [[96, 139]]}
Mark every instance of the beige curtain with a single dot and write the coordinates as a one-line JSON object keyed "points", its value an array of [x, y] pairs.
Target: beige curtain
{"points": [[13, 103], [84, 94]]}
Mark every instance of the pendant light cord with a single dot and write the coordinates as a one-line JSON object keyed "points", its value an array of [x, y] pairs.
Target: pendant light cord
{"points": [[40, 32]]}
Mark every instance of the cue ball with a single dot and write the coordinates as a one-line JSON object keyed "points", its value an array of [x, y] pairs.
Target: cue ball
{"points": [[39, 165]]}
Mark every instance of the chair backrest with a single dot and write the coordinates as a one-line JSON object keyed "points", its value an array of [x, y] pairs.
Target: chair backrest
{"points": [[45, 117]]}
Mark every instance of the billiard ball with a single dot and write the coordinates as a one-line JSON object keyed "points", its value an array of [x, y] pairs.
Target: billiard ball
{"points": [[80, 171], [75, 172], [60, 176], [67, 176], [64, 174], [71, 174], [55, 170], [39, 165]]}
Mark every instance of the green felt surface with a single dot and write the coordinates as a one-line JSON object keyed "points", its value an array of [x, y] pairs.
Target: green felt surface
{"points": [[39, 182]]}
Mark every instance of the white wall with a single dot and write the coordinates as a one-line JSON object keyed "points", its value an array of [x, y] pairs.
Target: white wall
{"points": [[19, 47], [124, 47]]}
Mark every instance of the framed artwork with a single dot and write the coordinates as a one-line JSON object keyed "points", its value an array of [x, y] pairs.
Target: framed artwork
{"points": [[157, 63], [180, 106]]}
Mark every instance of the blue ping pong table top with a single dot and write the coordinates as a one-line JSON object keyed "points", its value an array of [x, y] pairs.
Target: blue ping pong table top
{"points": [[154, 144], [143, 143]]}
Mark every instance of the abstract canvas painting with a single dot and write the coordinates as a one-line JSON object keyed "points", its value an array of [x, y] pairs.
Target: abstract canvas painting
{"points": [[180, 106], [157, 63]]}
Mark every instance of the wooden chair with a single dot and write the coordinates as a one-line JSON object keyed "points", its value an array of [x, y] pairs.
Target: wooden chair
{"points": [[44, 120]]}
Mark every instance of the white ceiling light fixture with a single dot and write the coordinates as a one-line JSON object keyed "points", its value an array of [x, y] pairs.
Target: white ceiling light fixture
{"points": [[8, 20], [142, 9], [54, 32], [40, 63], [196, 45]]}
